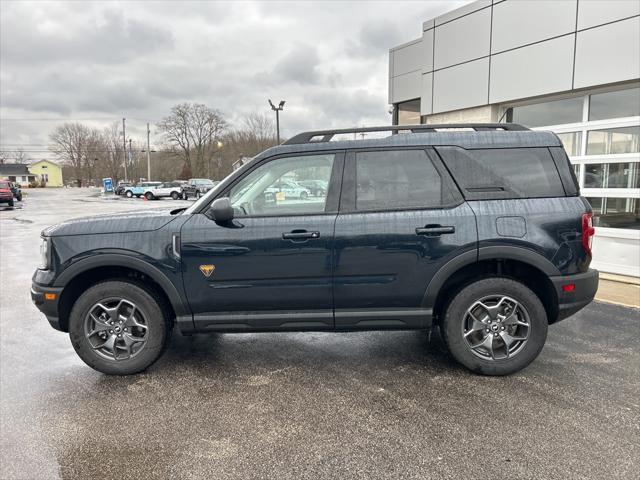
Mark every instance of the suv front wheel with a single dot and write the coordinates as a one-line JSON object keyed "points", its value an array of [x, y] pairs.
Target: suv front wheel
{"points": [[118, 328], [495, 326]]}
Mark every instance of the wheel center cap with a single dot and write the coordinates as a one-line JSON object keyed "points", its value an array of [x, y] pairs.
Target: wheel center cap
{"points": [[495, 326], [117, 329]]}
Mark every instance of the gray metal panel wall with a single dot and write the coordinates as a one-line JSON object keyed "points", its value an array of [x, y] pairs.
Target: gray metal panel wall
{"points": [[462, 40], [532, 52], [607, 54], [520, 23], [537, 69]]}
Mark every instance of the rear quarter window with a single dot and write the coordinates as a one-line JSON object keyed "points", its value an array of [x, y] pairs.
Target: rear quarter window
{"points": [[503, 173]]}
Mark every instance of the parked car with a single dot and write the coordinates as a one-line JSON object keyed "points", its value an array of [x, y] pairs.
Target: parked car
{"points": [[16, 190], [139, 189], [289, 189], [167, 189], [6, 194], [121, 187], [480, 232], [318, 188], [197, 187]]}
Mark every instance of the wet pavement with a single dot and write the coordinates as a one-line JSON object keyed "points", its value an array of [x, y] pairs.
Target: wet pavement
{"points": [[304, 405]]}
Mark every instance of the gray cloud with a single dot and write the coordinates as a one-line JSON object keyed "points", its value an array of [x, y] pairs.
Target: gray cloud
{"points": [[108, 60]]}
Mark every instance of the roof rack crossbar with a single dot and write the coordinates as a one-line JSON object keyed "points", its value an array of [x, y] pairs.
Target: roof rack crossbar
{"points": [[326, 135]]}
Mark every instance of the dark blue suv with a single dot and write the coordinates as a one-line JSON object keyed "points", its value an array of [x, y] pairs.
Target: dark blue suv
{"points": [[478, 229]]}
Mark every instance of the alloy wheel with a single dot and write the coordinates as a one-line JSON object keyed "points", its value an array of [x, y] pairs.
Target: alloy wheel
{"points": [[496, 327], [116, 329]]}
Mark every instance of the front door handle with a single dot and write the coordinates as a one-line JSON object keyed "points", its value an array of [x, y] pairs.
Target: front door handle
{"points": [[300, 235], [435, 230]]}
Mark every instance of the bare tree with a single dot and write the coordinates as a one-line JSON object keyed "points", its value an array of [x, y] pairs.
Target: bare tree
{"points": [[192, 130], [77, 146], [14, 156]]}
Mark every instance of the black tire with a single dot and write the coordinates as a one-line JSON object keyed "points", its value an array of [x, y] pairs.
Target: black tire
{"points": [[147, 302], [11, 203], [198, 194], [149, 196], [303, 195], [19, 198], [128, 194], [175, 195], [453, 329]]}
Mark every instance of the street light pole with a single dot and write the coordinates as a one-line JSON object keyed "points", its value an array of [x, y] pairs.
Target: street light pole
{"points": [[277, 109]]}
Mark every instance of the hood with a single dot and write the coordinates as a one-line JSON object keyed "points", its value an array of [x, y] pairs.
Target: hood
{"points": [[129, 222]]}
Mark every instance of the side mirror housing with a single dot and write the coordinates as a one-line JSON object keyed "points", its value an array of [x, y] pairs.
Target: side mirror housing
{"points": [[221, 210]]}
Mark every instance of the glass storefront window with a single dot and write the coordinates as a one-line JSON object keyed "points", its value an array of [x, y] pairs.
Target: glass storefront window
{"points": [[621, 103], [557, 112], [613, 140], [612, 175], [616, 212], [409, 112], [571, 142]]}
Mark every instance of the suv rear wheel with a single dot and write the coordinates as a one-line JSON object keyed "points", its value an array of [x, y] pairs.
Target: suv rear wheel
{"points": [[118, 328], [495, 326], [175, 195]]}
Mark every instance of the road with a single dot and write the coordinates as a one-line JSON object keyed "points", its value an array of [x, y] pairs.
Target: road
{"points": [[308, 405]]}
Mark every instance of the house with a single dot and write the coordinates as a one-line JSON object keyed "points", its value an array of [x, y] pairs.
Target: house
{"points": [[48, 172], [17, 172]]}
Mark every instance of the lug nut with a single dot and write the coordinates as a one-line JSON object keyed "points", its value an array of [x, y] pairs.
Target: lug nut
{"points": [[502, 328], [495, 334], [119, 335], [125, 329], [487, 330], [110, 331]]}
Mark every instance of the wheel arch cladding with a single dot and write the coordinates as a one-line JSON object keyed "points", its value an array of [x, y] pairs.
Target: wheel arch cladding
{"points": [[81, 275], [525, 266]]}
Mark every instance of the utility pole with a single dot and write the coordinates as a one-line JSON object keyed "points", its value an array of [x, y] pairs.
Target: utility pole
{"points": [[130, 159], [277, 109], [148, 155], [124, 149]]}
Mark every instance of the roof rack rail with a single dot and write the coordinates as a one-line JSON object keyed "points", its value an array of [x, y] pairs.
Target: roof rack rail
{"points": [[327, 135]]}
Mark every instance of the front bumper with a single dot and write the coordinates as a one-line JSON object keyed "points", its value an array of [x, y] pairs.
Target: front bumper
{"points": [[575, 292], [47, 300]]}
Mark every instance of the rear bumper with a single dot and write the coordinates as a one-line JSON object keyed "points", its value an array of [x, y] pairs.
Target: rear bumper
{"points": [[574, 299], [47, 306]]}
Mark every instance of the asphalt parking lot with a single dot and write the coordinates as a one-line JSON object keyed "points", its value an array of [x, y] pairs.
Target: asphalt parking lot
{"points": [[309, 405]]}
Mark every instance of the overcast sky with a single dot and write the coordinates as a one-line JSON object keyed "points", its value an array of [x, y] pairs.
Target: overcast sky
{"points": [[99, 62]]}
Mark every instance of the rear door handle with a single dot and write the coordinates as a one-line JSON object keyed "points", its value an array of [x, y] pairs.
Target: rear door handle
{"points": [[300, 235], [435, 230]]}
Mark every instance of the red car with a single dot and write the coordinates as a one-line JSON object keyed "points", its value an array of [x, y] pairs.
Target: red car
{"points": [[6, 195]]}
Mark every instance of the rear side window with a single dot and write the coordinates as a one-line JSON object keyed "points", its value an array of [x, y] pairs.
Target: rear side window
{"points": [[503, 173], [399, 179]]}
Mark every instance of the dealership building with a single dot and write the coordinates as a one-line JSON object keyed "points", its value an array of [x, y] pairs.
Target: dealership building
{"points": [[570, 66]]}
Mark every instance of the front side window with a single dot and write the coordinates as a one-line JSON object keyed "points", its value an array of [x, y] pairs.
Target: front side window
{"points": [[274, 189], [399, 179]]}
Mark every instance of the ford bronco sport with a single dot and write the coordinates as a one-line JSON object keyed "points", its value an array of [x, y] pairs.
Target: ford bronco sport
{"points": [[478, 229]]}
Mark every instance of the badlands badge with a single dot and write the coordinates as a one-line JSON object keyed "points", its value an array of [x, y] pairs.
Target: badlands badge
{"points": [[207, 270]]}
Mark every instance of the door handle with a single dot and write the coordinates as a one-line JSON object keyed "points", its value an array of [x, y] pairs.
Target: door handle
{"points": [[300, 235], [435, 230]]}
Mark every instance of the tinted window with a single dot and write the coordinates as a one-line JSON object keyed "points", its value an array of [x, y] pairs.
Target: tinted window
{"points": [[504, 173], [399, 179], [272, 188], [623, 103], [548, 113]]}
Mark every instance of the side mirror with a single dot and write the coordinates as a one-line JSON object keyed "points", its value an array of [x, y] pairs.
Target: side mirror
{"points": [[221, 210]]}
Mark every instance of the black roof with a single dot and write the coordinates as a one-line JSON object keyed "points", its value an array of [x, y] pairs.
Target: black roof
{"points": [[502, 135], [13, 169]]}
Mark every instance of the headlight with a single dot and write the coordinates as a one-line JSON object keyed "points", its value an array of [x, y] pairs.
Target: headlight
{"points": [[45, 253]]}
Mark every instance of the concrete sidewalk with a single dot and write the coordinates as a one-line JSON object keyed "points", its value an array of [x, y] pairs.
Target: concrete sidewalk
{"points": [[619, 289]]}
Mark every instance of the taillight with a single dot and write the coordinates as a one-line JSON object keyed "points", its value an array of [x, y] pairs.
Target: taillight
{"points": [[587, 231]]}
